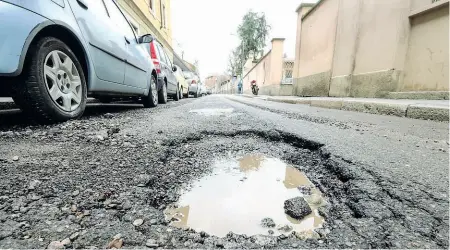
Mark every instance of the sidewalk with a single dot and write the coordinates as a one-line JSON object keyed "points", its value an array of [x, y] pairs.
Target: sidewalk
{"points": [[437, 110]]}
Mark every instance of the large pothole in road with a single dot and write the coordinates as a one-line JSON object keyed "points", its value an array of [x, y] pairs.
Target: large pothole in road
{"points": [[250, 195]]}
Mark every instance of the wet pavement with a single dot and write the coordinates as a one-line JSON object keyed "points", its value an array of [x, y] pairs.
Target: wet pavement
{"points": [[240, 193], [228, 165]]}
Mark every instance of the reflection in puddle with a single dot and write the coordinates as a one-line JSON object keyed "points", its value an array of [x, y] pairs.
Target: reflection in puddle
{"points": [[212, 112], [240, 193]]}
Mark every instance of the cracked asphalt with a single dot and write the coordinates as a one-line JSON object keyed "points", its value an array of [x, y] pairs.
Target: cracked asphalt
{"points": [[106, 179]]}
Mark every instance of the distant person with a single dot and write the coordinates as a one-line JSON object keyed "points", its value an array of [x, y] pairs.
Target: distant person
{"points": [[240, 87]]}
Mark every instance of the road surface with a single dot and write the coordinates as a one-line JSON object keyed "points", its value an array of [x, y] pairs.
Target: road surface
{"points": [[110, 178]]}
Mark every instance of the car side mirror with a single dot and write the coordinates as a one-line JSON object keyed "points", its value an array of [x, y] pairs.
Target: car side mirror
{"points": [[174, 68], [145, 39]]}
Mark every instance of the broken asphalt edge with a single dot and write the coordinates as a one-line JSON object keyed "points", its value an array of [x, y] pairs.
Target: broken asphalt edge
{"points": [[414, 111]]}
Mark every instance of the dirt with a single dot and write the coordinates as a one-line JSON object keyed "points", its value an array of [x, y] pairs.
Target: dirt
{"points": [[106, 180]]}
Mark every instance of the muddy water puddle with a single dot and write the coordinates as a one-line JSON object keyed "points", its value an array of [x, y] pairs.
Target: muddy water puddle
{"points": [[241, 192]]}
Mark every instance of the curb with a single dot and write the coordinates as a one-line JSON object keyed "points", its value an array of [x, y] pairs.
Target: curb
{"points": [[376, 108], [427, 112], [414, 111]]}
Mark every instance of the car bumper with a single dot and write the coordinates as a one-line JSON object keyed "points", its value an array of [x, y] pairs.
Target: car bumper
{"points": [[193, 88], [14, 34]]}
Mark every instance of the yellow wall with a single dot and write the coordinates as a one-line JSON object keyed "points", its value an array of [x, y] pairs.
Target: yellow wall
{"points": [[382, 35], [317, 39], [149, 22], [372, 47], [427, 60]]}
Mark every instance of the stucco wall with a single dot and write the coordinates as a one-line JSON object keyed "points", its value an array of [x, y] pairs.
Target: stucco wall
{"points": [[382, 36], [346, 37], [317, 38], [276, 61], [301, 11], [427, 63], [269, 70], [260, 73]]}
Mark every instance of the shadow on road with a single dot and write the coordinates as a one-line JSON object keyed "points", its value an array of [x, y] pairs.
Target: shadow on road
{"points": [[15, 118]]}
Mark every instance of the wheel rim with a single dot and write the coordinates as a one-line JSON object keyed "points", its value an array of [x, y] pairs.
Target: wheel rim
{"points": [[62, 81], [154, 91]]}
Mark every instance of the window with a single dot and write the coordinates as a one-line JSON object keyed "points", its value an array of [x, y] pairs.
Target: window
{"points": [[133, 24], [163, 16], [161, 54], [169, 62], [98, 9], [151, 5], [119, 19]]}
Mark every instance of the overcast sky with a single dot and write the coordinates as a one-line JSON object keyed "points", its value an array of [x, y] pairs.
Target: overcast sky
{"points": [[204, 28]]}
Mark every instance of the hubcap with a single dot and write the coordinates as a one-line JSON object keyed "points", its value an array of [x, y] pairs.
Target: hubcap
{"points": [[62, 80]]}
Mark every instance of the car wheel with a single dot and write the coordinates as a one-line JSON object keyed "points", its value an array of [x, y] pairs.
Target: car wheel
{"points": [[181, 93], [176, 97], [151, 100], [162, 95], [52, 86], [195, 95]]}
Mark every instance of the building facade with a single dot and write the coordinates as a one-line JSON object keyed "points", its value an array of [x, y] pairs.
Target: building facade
{"points": [[372, 48], [150, 17]]}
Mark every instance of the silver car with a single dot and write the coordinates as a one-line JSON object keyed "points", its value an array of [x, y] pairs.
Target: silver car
{"points": [[54, 54], [193, 81]]}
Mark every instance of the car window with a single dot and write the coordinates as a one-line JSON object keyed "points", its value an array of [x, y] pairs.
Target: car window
{"points": [[161, 54], [169, 62], [98, 9], [119, 19], [187, 74]]}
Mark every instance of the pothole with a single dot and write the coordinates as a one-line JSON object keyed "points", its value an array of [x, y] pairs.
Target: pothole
{"points": [[241, 194], [212, 111]]}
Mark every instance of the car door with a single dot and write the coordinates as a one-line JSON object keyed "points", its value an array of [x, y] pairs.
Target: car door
{"points": [[173, 78], [165, 68], [107, 44], [137, 62]]}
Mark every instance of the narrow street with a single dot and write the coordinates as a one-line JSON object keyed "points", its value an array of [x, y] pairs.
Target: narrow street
{"points": [[140, 177]]}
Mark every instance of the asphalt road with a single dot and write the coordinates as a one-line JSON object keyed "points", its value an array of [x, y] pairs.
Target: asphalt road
{"points": [[108, 177]]}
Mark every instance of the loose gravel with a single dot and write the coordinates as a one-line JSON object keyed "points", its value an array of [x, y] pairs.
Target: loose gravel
{"points": [[96, 183]]}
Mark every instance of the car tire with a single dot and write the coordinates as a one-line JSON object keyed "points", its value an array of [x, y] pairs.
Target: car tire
{"points": [[195, 95], [181, 93], [162, 94], [151, 100], [176, 97], [52, 86]]}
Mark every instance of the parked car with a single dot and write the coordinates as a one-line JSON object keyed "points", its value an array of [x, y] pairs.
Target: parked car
{"points": [[184, 86], [192, 80], [167, 81], [57, 53], [203, 90]]}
